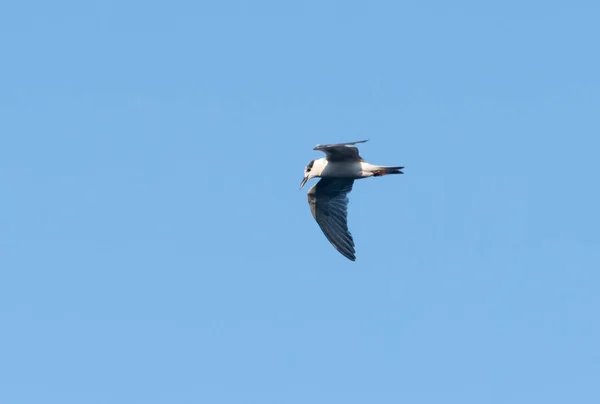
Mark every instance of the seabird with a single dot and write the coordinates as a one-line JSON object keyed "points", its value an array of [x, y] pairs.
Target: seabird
{"points": [[328, 198]]}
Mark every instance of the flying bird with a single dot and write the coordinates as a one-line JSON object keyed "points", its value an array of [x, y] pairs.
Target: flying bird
{"points": [[328, 198]]}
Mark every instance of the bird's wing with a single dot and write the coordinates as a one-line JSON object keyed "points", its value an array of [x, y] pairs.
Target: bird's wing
{"points": [[328, 201], [341, 151]]}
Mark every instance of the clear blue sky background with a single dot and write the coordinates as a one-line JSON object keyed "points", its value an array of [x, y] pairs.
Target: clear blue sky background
{"points": [[154, 246]]}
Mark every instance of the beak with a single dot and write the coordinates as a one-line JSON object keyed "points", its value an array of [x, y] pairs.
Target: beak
{"points": [[303, 182]]}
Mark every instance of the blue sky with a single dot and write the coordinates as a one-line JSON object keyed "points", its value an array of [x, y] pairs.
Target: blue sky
{"points": [[155, 247]]}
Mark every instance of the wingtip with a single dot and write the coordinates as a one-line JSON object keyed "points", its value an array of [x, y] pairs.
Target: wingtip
{"points": [[348, 254], [349, 257], [320, 146]]}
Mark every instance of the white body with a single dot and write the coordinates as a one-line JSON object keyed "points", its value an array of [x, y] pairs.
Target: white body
{"points": [[339, 169]]}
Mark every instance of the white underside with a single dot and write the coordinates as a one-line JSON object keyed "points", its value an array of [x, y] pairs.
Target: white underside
{"points": [[354, 170]]}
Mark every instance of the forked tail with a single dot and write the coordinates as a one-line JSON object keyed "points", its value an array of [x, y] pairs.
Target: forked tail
{"points": [[384, 170]]}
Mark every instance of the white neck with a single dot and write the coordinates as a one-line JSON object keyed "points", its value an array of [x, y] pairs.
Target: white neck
{"points": [[318, 167]]}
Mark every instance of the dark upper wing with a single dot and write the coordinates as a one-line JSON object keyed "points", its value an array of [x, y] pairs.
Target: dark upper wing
{"points": [[341, 151], [328, 201]]}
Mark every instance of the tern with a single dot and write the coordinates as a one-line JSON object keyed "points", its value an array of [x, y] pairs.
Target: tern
{"points": [[328, 198]]}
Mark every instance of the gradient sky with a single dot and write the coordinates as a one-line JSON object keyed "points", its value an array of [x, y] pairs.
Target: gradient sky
{"points": [[154, 246]]}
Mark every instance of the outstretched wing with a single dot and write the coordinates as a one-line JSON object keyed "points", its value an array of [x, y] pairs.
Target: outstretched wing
{"points": [[328, 201], [341, 151]]}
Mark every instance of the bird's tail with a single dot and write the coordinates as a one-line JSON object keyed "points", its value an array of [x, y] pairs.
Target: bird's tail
{"points": [[384, 170]]}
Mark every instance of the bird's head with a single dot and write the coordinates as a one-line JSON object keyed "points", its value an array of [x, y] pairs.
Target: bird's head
{"points": [[310, 171]]}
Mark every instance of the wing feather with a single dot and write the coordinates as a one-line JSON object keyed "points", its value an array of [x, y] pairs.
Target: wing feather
{"points": [[328, 201], [341, 151]]}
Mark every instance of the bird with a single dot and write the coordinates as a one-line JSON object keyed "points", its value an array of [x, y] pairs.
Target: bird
{"points": [[328, 198]]}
